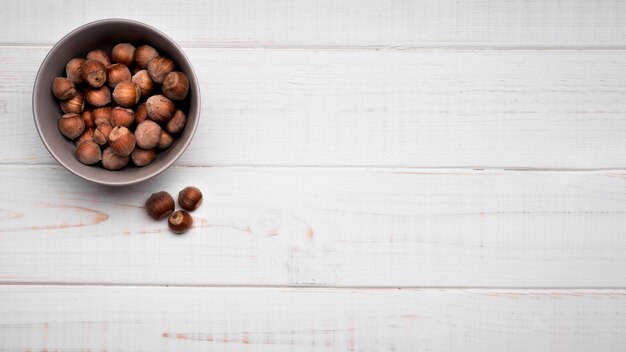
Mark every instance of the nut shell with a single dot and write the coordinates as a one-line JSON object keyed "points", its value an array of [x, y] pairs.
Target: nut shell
{"points": [[175, 85], [143, 54], [94, 73], [102, 115], [190, 198], [143, 157], [74, 105], [87, 136], [122, 117], [160, 108], [88, 119], [177, 123], [160, 205], [88, 153], [101, 134], [117, 73], [74, 70], [165, 140], [71, 125], [63, 88], [122, 141], [143, 80], [160, 66], [127, 93], [123, 53], [141, 113], [180, 221], [148, 134], [99, 55], [98, 97], [112, 161]]}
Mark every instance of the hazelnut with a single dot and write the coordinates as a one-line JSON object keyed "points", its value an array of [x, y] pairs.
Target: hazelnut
{"points": [[117, 73], [190, 198], [148, 134], [94, 73], [143, 80], [143, 55], [74, 70], [88, 153], [123, 53], [98, 97], [71, 125], [99, 55], [180, 221], [175, 85], [122, 141], [87, 136], [101, 134], [74, 105], [160, 108], [160, 205], [177, 123], [141, 113], [102, 115], [63, 88], [112, 161], [143, 157], [88, 119], [160, 66], [122, 117], [165, 140], [126, 93]]}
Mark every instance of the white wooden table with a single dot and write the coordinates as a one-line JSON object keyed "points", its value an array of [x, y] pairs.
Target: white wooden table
{"points": [[433, 175]]}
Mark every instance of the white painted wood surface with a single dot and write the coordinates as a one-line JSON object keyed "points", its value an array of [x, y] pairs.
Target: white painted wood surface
{"points": [[349, 209]]}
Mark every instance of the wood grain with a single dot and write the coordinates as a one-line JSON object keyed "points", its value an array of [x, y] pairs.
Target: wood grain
{"points": [[528, 109], [376, 24], [321, 226], [234, 319]]}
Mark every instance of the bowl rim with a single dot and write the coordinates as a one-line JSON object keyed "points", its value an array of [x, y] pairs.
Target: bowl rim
{"points": [[166, 164]]}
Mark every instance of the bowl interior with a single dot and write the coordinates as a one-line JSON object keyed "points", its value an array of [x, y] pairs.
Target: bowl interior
{"points": [[104, 35]]}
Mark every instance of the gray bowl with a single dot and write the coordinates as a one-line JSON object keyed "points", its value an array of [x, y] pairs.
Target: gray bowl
{"points": [[105, 34]]}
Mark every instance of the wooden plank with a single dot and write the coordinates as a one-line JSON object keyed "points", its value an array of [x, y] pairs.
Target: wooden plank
{"points": [[328, 23], [418, 109], [236, 319], [319, 226]]}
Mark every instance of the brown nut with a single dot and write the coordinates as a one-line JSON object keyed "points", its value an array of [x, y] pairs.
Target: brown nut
{"points": [[98, 97], [177, 123], [101, 134], [94, 73], [122, 117], [87, 136], [143, 157], [143, 55], [148, 134], [71, 125], [160, 66], [160, 205], [102, 115], [190, 198], [143, 80], [165, 140], [74, 70], [99, 55], [123, 53], [180, 221], [122, 141], [63, 88], [141, 113], [88, 119], [175, 85], [127, 94], [88, 153], [160, 108], [74, 105], [117, 73], [112, 161]]}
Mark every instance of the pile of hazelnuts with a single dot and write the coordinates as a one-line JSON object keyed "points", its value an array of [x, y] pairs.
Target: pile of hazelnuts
{"points": [[115, 116], [161, 205]]}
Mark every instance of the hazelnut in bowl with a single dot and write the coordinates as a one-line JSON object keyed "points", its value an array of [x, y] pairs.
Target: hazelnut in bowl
{"points": [[116, 102]]}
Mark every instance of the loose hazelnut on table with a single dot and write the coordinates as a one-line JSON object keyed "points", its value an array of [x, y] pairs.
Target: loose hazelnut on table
{"points": [[160, 108], [143, 54], [98, 97], [143, 80], [122, 141], [73, 70], [177, 123], [160, 205], [101, 134], [127, 93], [94, 73], [143, 157], [122, 117], [74, 105], [175, 85], [117, 73], [63, 88], [71, 125], [190, 198], [180, 221], [160, 66], [148, 134], [99, 55], [123, 53], [88, 153], [112, 161]]}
